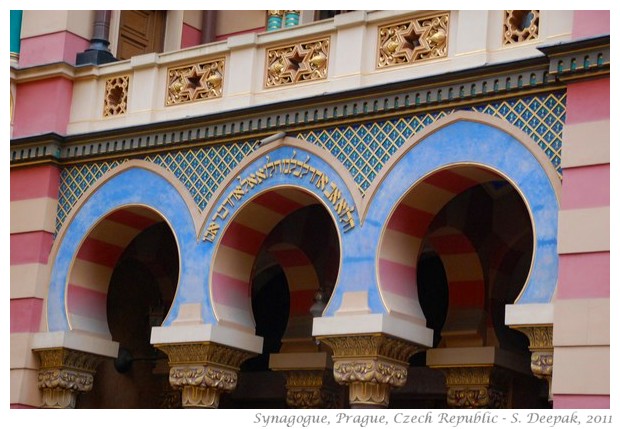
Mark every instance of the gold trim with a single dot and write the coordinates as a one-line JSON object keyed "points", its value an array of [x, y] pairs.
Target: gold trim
{"points": [[293, 143]]}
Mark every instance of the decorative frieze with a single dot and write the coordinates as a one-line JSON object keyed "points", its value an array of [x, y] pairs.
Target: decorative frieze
{"points": [[64, 374], [202, 371], [195, 82], [371, 365], [115, 100], [520, 25], [413, 40], [300, 62]]}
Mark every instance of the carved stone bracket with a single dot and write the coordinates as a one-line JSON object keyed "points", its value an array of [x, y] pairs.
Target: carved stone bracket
{"points": [[476, 387], [311, 389], [541, 346], [202, 371], [64, 374], [371, 365]]}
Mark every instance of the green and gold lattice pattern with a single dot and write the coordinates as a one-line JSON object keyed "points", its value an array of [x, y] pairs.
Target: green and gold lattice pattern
{"points": [[200, 170], [362, 148]]}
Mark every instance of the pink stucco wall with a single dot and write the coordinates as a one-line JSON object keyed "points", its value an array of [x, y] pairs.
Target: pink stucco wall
{"points": [[42, 106], [584, 275], [586, 186], [51, 48], [26, 314], [581, 402], [590, 23], [587, 101], [34, 182], [190, 36], [31, 247]]}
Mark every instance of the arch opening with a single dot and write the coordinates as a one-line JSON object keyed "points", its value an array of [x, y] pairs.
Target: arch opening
{"points": [[274, 270], [457, 248], [465, 222], [132, 258]]}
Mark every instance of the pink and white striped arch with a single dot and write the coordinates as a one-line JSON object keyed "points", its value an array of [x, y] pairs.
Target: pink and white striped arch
{"points": [[233, 261], [94, 264], [404, 234]]}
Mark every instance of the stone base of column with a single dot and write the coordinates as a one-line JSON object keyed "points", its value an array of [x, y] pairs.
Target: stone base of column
{"points": [[64, 374], [202, 371], [371, 365]]}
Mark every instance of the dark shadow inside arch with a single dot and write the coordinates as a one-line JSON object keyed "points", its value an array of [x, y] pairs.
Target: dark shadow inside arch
{"points": [[141, 290]]}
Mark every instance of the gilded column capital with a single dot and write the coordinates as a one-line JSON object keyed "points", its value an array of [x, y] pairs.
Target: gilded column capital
{"points": [[541, 346], [64, 374], [371, 365], [311, 389], [202, 371], [474, 387]]}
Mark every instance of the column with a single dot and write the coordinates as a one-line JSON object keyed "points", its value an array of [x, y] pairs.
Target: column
{"points": [[370, 365], [202, 371], [98, 52]]}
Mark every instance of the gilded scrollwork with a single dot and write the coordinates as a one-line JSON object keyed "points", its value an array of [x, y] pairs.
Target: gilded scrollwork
{"points": [[195, 82], [370, 371], [541, 346], [371, 365], [299, 62], [311, 389], [115, 100], [203, 376], [63, 374], [413, 40], [475, 387], [203, 371], [520, 25]]}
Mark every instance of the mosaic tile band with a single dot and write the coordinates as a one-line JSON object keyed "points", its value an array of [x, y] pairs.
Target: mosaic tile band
{"points": [[362, 148]]}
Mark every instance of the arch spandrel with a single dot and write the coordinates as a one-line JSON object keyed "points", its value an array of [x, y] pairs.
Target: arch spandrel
{"points": [[135, 186]]}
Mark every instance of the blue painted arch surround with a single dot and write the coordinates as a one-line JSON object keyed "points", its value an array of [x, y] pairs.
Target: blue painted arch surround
{"points": [[459, 141], [135, 184]]}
